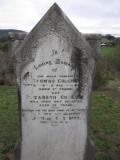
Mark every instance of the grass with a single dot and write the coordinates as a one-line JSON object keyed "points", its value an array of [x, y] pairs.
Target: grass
{"points": [[104, 124], [107, 51], [114, 83], [8, 119], [111, 61], [112, 54]]}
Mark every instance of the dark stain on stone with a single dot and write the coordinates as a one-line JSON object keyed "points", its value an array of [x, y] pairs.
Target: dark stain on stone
{"points": [[26, 76], [76, 60]]}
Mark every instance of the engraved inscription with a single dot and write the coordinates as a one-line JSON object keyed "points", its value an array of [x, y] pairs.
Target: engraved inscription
{"points": [[53, 100]]}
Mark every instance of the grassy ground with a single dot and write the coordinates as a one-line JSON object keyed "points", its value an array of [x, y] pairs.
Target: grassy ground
{"points": [[104, 123], [112, 54], [114, 83], [8, 119], [107, 51]]}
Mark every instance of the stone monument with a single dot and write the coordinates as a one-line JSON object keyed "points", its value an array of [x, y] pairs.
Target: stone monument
{"points": [[54, 69]]}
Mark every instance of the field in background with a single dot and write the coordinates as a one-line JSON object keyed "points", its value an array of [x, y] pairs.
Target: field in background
{"points": [[112, 54], [104, 123], [106, 51], [108, 68]]}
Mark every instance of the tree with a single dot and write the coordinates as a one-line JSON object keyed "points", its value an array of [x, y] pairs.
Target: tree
{"points": [[110, 37]]}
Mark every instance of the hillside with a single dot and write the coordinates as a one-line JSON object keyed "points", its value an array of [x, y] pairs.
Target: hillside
{"points": [[4, 33]]}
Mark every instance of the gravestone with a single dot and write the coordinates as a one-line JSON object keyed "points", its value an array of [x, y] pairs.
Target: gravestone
{"points": [[54, 68]]}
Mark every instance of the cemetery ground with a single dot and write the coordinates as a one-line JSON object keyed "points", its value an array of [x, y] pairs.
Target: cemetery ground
{"points": [[104, 123]]}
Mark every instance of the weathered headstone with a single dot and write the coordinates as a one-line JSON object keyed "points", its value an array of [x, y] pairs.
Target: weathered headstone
{"points": [[55, 66]]}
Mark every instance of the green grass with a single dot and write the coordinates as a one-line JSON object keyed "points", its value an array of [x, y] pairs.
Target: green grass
{"points": [[111, 61], [107, 51], [105, 124], [111, 53], [114, 83], [8, 119]]}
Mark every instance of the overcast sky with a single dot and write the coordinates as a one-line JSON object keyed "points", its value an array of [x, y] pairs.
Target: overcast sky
{"points": [[89, 16]]}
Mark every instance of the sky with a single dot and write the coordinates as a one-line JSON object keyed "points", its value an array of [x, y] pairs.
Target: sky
{"points": [[89, 16]]}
